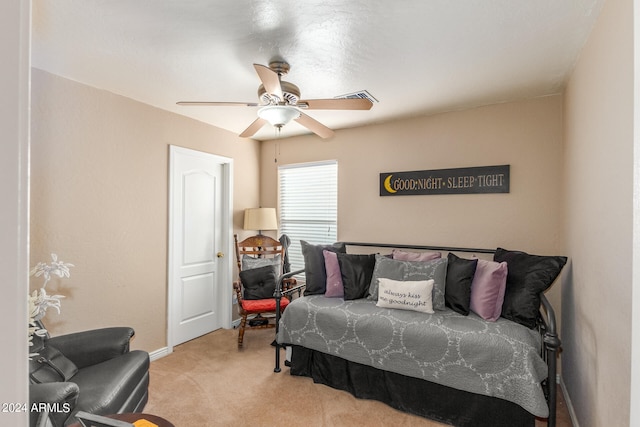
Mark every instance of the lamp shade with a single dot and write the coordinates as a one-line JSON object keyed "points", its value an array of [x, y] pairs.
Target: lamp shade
{"points": [[260, 219]]}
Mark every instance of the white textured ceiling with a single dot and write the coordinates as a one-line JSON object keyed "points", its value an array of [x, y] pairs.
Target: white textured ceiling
{"points": [[414, 56]]}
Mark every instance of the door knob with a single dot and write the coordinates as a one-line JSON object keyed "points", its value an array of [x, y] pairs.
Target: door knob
{"points": [[220, 254]]}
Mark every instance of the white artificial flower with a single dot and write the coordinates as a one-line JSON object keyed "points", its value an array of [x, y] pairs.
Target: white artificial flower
{"points": [[59, 268], [43, 301], [34, 329], [39, 300]]}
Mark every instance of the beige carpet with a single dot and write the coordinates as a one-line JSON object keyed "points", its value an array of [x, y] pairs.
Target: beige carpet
{"points": [[209, 382]]}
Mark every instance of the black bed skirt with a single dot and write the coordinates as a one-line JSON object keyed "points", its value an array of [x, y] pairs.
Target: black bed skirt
{"points": [[433, 401]]}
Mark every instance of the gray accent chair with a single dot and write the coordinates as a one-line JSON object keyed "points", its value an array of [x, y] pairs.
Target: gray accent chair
{"points": [[93, 371]]}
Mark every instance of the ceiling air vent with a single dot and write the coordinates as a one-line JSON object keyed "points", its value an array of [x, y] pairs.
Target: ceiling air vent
{"points": [[363, 94]]}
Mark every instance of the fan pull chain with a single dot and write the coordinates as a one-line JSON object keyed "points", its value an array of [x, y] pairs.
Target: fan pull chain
{"points": [[276, 147]]}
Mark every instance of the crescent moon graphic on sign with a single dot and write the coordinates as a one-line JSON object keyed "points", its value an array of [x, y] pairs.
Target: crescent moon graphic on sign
{"points": [[387, 185]]}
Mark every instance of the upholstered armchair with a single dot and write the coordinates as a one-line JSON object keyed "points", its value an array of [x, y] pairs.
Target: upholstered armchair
{"points": [[93, 371]]}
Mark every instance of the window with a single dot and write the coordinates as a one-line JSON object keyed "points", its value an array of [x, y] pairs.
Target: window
{"points": [[308, 199]]}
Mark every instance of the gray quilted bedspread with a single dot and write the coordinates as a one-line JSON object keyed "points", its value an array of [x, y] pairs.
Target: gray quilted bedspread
{"points": [[499, 359]]}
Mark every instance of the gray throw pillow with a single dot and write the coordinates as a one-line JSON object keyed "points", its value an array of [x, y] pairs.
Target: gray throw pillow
{"points": [[249, 263], [411, 271]]}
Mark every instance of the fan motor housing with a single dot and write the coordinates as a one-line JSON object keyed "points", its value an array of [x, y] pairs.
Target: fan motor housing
{"points": [[290, 92]]}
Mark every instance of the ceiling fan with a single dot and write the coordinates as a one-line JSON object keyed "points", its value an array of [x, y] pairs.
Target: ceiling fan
{"points": [[280, 103]]}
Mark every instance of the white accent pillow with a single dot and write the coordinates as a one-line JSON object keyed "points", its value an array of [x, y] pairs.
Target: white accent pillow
{"points": [[409, 295]]}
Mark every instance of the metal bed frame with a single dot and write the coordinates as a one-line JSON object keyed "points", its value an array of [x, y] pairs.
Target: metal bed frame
{"points": [[551, 343]]}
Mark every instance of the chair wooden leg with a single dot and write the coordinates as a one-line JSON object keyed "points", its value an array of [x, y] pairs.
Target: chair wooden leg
{"points": [[243, 323]]}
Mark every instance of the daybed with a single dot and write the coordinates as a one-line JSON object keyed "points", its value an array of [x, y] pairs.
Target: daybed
{"points": [[487, 359]]}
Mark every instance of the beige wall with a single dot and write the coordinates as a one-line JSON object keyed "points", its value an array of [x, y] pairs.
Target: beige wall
{"points": [[599, 222], [99, 183], [526, 135]]}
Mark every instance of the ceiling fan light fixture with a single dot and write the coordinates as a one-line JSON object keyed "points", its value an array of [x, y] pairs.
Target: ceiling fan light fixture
{"points": [[278, 115], [281, 103]]}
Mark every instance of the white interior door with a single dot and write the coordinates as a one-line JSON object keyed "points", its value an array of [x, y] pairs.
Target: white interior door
{"points": [[198, 254]]}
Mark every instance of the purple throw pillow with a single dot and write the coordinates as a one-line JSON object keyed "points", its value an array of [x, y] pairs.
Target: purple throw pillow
{"points": [[487, 289], [335, 288], [414, 256]]}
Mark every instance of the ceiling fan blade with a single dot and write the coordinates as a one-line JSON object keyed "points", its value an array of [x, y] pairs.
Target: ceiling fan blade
{"points": [[217, 104], [253, 128], [270, 80], [314, 126], [336, 104]]}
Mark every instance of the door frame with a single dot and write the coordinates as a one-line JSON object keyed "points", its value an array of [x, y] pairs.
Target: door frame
{"points": [[226, 225]]}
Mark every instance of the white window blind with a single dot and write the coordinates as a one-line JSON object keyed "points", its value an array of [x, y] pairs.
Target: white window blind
{"points": [[308, 199]]}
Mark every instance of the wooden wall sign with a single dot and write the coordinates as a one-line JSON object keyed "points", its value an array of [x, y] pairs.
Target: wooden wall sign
{"points": [[474, 180]]}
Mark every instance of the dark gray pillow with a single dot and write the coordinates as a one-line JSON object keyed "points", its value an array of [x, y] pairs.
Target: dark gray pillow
{"points": [[527, 277], [411, 270], [259, 283], [356, 271], [314, 269], [457, 293]]}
